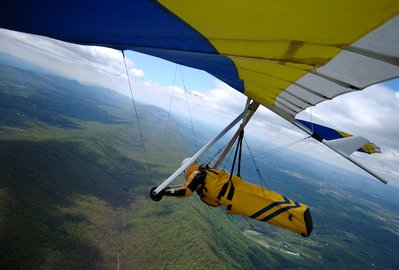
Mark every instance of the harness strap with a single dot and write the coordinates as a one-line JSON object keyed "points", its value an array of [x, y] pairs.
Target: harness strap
{"points": [[231, 192], [239, 154], [198, 182], [224, 190]]}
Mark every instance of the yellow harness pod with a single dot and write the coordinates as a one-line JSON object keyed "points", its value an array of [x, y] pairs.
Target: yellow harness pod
{"points": [[214, 182], [242, 198], [215, 188]]}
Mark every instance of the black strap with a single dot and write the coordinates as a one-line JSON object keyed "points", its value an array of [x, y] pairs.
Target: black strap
{"points": [[317, 136], [197, 181], [223, 190], [238, 147], [231, 192], [239, 154]]}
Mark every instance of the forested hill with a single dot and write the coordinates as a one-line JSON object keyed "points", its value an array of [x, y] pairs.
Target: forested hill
{"points": [[74, 192], [74, 185]]}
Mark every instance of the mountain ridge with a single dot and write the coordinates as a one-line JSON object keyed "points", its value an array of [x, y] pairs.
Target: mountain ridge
{"points": [[76, 194]]}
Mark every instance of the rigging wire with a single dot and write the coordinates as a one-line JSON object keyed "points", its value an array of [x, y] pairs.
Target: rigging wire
{"points": [[228, 159], [234, 220], [311, 118], [210, 159], [237, 151], [280, 148], [171, 100], [261, 179], [273, 139], [137, 116], [188, 107], [311, 107], [277, 149]]}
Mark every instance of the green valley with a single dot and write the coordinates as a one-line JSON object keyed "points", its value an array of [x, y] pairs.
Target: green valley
{"points": [[74, 193], [74, 186]]}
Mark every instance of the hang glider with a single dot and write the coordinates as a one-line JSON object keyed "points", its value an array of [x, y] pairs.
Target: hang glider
{"points": [[341, 142], [284, 55], [321, 132]]}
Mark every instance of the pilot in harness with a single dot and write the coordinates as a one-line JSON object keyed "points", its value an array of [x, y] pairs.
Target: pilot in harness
{"points": [[216, 187]]}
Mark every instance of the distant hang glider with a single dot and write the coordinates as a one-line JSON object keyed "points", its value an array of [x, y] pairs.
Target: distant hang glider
{"points": [[284, 55]]}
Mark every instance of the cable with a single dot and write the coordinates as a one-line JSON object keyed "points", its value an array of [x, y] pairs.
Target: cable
{"points": [[238, 143], [261, 179], [273, 139], [280, 148], [210, 159], [137, 117], [228, 159], [189, 111], [311, 118], [170, 104]]}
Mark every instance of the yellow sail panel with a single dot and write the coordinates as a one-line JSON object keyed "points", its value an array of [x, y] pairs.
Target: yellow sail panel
{"points": [[283, 51], [311, 21], [262, 79], [369, 148], [343, 134], [285, 71], [263, 36], [264, 95]]}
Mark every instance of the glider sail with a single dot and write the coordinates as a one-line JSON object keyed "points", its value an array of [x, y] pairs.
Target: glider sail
{"points": [[321, 132], [285, 55], [342, 143]]}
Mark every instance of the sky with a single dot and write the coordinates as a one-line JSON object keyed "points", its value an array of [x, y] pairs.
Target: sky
{"points": [[372, 113]]}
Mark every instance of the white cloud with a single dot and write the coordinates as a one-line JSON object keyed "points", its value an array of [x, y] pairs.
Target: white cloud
{"points": [[221, 104], [138, 73], [372, 113], [88, 64]]}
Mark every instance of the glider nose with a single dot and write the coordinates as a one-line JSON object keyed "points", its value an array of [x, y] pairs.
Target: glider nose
{"points": [[308, 222]]}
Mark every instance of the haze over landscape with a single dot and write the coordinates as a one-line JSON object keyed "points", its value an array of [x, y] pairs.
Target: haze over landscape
{"points": [[74, 191], [368, 113]]}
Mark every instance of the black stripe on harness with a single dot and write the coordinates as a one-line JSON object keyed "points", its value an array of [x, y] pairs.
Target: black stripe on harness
{"points": [[231, 192], [223, 190]]}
